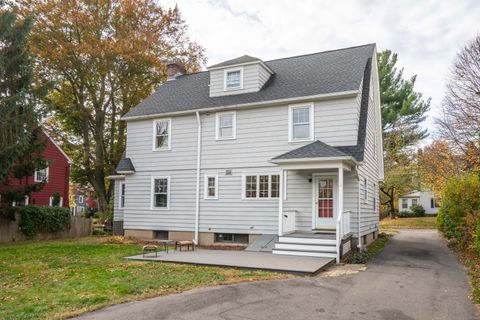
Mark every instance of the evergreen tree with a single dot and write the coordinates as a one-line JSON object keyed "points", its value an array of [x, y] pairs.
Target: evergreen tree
{"points": [[17, 97], [21, 145], [403, 111]]}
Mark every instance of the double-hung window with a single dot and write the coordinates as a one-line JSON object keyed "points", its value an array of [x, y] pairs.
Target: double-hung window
{"points": [[211, 187], [261, 186], [162, 134], [233, 79], [404, 203], [160, 192], [226, 125], [121, 203], [301, 122], [41, 175], [414, 202]]}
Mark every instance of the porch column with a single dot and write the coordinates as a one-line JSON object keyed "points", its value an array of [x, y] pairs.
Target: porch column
{"points": [[340, 191], [280, 203]]}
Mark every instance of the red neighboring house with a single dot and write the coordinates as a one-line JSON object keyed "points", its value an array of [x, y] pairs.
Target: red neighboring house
{"points": [[57, 174]]}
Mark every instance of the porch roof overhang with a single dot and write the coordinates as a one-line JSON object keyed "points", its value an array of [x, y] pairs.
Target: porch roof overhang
{"points": [[346, 162], [315, 155]]}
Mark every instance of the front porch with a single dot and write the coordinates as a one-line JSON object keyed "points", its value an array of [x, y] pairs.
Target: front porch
{"points": [[314, 216]]}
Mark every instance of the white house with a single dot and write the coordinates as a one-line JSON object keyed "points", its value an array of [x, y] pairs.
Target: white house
{"points": [[424, 198], [289, 147]]}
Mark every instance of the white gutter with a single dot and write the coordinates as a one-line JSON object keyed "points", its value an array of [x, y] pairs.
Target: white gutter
{"points": [[322, 159], [359, 245], [342, 94], [197, 192]]}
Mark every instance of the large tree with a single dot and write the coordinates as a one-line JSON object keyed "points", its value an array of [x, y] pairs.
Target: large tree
{"points": [[459, 123], [403, 111], [104, 57], [17, 94]]}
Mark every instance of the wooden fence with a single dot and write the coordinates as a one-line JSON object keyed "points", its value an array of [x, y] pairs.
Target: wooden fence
{"points": [[10, 232]]}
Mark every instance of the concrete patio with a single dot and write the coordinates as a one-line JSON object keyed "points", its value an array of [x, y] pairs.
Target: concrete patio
{"points": [[242, 259]]}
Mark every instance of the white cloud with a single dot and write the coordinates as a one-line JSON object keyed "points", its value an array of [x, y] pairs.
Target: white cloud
{"points": [[426, 34]]}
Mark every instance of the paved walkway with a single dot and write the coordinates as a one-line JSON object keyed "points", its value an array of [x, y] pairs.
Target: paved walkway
{"points": [[414, 277]]}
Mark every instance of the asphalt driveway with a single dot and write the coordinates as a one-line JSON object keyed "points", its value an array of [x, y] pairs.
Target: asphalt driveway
{"points": [[415, 277]]}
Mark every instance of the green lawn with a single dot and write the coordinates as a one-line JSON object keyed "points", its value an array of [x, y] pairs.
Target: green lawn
{"points": [[55, 279], [408, 223]]}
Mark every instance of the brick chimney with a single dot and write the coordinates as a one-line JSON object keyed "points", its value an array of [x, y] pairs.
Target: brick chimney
{"points": [[174, 69]]}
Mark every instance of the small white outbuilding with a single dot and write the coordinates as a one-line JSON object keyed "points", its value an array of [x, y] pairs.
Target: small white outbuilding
{"points": [[424, 198]]}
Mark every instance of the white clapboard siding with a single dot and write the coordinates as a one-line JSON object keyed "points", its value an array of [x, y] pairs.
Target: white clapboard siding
{"points": [[254, 77], [117, 211]]}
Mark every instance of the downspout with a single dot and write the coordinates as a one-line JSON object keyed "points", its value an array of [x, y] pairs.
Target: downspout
{"points": [[359, 209], [197, 192]]}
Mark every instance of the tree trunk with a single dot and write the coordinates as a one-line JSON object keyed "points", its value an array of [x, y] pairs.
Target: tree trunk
{"points": [[390, 193]]}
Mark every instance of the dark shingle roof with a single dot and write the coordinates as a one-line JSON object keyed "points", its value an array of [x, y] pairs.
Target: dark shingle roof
{"points": [[125, 165], [316, 149], [319, 149], [239, 60], [307, 75]]}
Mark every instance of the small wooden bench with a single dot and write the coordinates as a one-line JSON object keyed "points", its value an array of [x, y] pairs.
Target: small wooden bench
{"points": [[185, 243], [150, 248]]}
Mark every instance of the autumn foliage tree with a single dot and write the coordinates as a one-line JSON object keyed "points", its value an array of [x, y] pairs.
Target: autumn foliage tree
{"points": [[437, 164], [103, 57]]}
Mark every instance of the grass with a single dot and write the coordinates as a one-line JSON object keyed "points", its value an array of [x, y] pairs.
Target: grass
{"points": [[56, 279], [362, 257], [408, 223], [376, 246]]}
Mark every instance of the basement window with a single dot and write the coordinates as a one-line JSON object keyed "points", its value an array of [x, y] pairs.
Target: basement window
{"points": [[231, 238]]}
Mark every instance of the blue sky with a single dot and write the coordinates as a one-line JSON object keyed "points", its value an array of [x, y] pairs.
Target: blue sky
{"points": [[426, 34]]}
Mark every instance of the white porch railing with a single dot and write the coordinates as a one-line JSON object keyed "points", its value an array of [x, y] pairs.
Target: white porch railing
{"points": [[343, 228], [289, 221]]}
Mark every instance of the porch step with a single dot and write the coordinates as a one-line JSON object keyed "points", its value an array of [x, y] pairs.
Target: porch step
{"points": [[305, 253], [304, 240], [305, 247], [318, 244]]}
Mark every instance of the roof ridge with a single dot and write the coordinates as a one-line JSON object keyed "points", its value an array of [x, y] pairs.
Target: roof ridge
{"points": [[319, 52], [284, 58]]}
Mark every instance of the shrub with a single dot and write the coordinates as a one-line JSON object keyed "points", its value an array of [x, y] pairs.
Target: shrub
{"points": [[35, 219], [98, 232], [459, 215], [406, 214], [360, 257], [418, 210]]}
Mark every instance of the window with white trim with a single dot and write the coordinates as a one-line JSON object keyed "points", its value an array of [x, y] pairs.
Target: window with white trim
{"points": [[263, 186], [121, 203], [41, 175], [160, 192], [211, 187], [56, 201], [21, 203], [414, 202], [226, 125], [301, 122], [365, 190], [404, 203], [161, 134], [233, 79]]}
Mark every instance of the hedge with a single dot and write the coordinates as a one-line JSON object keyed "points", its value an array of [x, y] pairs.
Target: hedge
{"points": [[35, 219]]}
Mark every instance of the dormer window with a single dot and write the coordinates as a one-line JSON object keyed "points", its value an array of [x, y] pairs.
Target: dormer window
{"points": [[233, 79]]}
